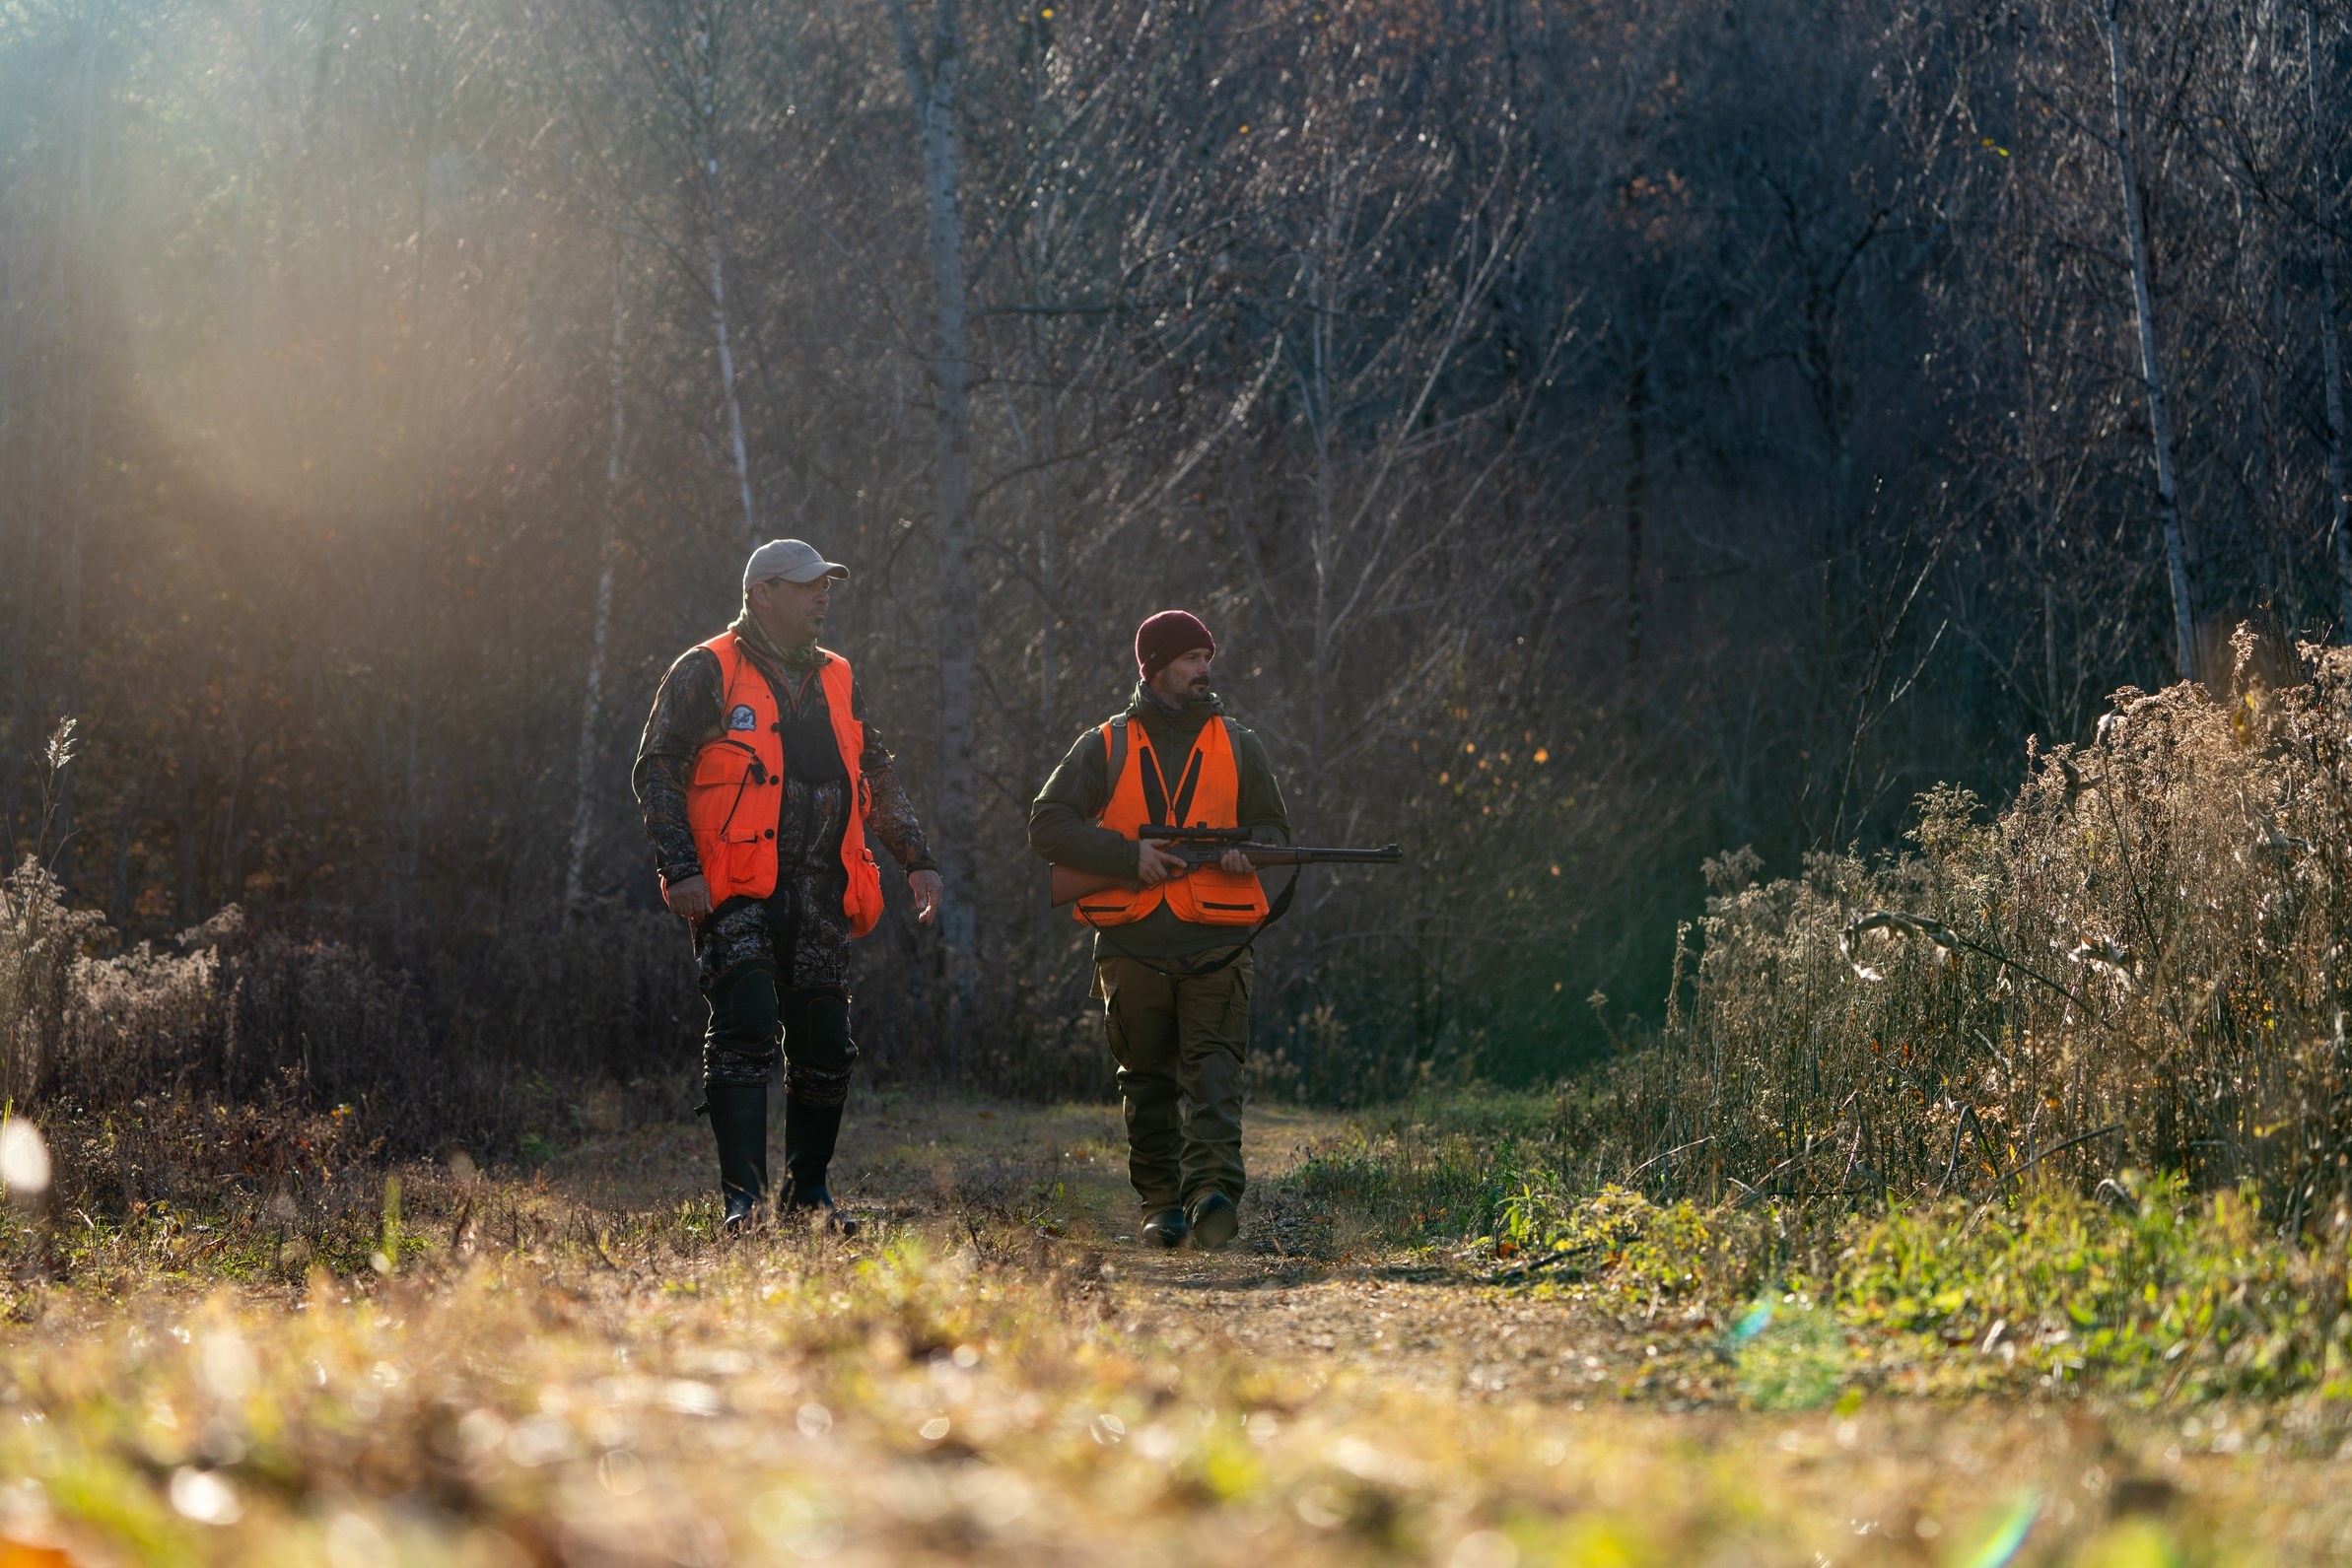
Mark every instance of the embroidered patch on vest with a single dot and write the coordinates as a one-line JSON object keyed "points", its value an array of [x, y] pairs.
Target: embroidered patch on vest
{"points": [[740, 717]]}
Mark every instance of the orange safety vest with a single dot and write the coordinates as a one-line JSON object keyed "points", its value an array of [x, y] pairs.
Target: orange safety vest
{"points": [[737, 791], [1207, 795]]}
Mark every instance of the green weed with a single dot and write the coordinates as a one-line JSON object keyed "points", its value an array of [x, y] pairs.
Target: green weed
{"points": [[1793, 1357], [2157, 1292]]}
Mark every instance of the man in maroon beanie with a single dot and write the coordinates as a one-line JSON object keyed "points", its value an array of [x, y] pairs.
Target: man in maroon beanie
{"points": [[1170, 960]]}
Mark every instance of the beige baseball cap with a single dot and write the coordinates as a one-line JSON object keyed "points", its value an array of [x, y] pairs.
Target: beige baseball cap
{"points": [[793, 559]]}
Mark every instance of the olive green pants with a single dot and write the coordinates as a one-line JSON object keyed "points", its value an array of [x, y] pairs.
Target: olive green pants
{"points": [[1180, 1041]]}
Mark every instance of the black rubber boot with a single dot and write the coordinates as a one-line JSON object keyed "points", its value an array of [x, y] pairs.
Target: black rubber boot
{"points": [[1167, 1228], [809, 1133], [739, 1121], [1216, 1222]]}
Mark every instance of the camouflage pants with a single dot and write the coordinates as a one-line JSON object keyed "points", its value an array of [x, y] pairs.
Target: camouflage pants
{"points": [[770, 980], [802, 931], [1180, 1041]]}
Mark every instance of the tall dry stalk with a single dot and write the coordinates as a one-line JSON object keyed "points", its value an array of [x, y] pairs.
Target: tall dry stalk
{"points": [[36, 939]]}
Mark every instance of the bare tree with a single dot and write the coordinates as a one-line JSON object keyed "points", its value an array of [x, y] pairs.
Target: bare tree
{"points": [[2160, 424], [931, 84], [2331, 356], [704, 111], [1378, 516], [591, 692]]}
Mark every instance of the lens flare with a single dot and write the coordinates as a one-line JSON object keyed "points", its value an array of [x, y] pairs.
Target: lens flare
{"points": [[24, 1159]]}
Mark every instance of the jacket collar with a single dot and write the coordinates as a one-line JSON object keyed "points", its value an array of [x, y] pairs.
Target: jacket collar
{"points": [[796, 660], [1141, 705]]}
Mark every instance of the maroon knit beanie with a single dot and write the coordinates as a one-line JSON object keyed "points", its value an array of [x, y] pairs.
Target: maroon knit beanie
{"points": [[1165, 637]]}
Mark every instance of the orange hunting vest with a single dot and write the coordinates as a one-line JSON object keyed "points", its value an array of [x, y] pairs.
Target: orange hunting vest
{"points": [[1207, 795], [736, 792]]}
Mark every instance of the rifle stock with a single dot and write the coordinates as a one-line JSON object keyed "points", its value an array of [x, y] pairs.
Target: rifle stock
{"points": [[1071, 884]]}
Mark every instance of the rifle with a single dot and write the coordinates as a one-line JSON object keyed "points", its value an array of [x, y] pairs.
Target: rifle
{"points": [[1199, 846]]}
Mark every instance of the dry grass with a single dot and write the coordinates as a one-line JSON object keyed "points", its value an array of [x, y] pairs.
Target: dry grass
{"points": [[2137, 964], [567, 1368]]}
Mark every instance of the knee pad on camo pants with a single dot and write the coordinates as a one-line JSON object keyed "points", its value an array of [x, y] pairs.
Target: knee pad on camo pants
{"points": [[818, 1052], [741, 1044]]}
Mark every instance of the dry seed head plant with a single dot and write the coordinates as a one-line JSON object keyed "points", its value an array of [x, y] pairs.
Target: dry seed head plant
{"points": [[2138, 963], [205, 1068]]}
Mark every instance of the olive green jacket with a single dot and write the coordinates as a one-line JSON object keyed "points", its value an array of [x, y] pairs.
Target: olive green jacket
{"points": [[1062, 827]]}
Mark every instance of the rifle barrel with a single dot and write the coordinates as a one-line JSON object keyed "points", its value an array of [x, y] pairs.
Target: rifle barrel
{"points": [[1287, 854]]}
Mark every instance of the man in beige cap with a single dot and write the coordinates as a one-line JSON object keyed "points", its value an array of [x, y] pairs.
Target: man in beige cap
{"points": [[760, 779]]}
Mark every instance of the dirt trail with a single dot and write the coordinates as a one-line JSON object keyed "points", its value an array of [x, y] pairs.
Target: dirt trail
{"points": [[1354, 1317], [902, 1154], [1368, 1323], [1341, 1317]]}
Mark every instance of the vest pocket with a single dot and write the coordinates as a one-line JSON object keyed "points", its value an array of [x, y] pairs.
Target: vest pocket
{"points": [[862, 900], [750, 861], [722, 762], [730, 808], [1214, 897]]}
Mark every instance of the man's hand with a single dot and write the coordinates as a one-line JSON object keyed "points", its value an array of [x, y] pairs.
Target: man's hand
{"points": [[927, 889], [1154, 865], [1235, 861], [689, 897]]}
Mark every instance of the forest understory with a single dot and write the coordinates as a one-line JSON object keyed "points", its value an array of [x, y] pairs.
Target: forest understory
{"points": [[1978, 1205], [1408, 1358]]}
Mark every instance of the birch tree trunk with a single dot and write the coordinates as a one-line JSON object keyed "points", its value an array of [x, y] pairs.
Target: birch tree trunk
{"points": [[2332, 353], [591, 692], [2135, 227], [932, 85], [1318, 400], [705, 112]]}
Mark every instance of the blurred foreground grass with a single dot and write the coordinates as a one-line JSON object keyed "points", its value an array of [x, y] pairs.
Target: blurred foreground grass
{"points": [[568, 1368]]}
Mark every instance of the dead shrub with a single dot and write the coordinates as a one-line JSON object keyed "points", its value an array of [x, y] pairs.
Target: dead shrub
{"points": [[2140, 962], [227, 1056], [39, 940]]}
